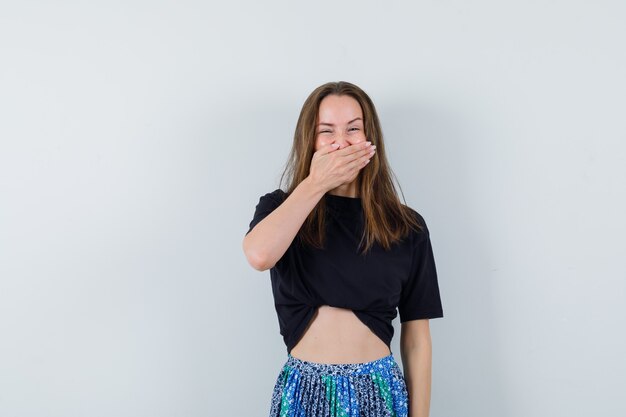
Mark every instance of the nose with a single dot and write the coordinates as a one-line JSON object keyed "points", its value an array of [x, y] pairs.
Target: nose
{"points": [[341, 140]]}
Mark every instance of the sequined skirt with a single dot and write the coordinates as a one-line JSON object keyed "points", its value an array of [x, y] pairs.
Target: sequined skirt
{"points": [[367, 389]]}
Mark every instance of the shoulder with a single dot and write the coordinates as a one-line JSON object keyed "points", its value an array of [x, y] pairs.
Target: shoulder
{"points": [[277, 195], [273, 198], [419, 219]]}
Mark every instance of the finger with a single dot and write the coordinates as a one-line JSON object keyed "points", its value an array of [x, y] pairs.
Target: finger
{"points": [[356, 148], [369, 151], [356, 166], [360, 152], [359, 162], [328, 148]]}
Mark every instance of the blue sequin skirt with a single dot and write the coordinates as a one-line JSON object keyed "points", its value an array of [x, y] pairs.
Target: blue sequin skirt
{"points": [[367, 389]]}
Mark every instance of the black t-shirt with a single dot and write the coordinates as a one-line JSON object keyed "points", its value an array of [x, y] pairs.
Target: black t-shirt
{"points": [[374, 286]]}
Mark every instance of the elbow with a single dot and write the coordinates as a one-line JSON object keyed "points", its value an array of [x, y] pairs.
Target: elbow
{"points": [[256, 259], [258, 262]]}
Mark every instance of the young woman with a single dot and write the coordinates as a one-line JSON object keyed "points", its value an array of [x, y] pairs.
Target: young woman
{"points": [[345, 255]]}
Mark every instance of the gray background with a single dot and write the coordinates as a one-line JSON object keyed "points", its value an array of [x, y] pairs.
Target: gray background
{"points": [[137, 137]]}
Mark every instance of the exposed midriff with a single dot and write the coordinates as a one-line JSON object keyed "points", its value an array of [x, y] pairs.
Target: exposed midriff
{"points": [[336, 335]]}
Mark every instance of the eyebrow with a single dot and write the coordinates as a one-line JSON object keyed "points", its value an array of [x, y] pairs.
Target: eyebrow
{"points": [[330, 124]]}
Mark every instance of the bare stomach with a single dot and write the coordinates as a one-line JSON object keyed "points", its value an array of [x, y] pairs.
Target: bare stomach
{"points": [[337, 335]]}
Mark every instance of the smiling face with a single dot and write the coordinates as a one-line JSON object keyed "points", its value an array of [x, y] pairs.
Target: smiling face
{"points": [[340, 120]]}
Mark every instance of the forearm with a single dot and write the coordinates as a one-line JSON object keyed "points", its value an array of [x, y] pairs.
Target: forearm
{"points": [[268, 241], [417, 364]]}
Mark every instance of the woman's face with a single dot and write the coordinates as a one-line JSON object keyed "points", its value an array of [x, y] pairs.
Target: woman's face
{"points": [[340, 120]]}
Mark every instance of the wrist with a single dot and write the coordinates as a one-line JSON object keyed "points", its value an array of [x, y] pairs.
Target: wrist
{"points": [[312, 187]]}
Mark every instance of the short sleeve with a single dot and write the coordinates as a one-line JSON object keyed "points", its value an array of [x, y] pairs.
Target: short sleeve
{"points": [[420, 298], [267, 203]]}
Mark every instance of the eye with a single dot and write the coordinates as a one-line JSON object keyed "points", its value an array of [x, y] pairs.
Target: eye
{"points": [[354, 128], [324, 131]]}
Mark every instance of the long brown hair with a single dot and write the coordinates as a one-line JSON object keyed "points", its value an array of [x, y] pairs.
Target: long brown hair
{"points": [[387, 220]]}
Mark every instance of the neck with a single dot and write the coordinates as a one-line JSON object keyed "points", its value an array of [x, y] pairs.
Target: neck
{"points": [[345, 190]]}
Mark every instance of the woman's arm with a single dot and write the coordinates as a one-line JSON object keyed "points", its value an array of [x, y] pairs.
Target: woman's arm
{"points": [[268, 241], [416, 353]]}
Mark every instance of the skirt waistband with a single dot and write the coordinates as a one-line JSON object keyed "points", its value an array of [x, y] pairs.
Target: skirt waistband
{"points": [[381, 366]]}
